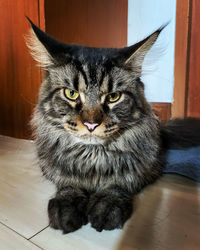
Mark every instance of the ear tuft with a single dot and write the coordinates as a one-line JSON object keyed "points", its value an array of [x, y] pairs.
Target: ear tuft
{"points": [[38, 50], [132, 57], [46, 49], [142, 48]]}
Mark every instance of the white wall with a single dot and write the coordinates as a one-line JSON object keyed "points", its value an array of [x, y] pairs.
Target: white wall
{"points": [[144, 17]]}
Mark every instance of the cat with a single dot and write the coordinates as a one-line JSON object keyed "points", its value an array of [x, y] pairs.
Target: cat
{"points": [[97, 138]]}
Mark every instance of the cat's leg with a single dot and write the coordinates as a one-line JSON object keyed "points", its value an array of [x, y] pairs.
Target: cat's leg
{"points": [[110, 208], [67, 211]]}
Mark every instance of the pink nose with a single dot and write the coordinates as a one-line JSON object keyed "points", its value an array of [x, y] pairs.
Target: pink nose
{"points": [[91, 126]]}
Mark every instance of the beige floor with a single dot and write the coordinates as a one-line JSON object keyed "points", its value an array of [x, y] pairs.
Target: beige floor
{"points": [[167, 213]]}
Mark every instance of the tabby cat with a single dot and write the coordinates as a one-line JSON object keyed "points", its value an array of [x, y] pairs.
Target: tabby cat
{"points": [[97, 138]]}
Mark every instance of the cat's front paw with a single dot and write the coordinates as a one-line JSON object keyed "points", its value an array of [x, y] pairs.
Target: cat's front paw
{"points": [[67, 214], [108, 213]]}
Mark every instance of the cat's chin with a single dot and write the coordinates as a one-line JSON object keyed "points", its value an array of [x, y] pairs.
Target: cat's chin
{"points": [[89, 140]]}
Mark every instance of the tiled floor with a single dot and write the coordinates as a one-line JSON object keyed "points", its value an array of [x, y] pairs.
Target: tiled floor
{"points": [[167, 213]]}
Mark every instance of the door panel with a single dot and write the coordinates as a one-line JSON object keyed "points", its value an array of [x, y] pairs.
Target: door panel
{"points": [[18, 75], [187, 60], [193, 99], [89, 22]]}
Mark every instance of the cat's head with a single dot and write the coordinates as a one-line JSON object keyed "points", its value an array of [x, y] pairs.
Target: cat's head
{"points": [[91, 92]]}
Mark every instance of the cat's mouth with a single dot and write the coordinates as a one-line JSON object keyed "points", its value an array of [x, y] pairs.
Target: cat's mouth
{"points": [[90, 139], [100, 134]]}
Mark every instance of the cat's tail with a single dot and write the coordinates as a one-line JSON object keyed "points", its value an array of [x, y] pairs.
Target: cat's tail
{"points": [[181, 133]]}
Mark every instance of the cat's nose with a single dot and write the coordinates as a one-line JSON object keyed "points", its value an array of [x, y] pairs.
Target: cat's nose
{"points": [[91, 126]]}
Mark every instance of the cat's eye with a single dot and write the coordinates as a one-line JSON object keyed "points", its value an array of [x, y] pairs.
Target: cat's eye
{"points": [[71, 94], [113, 97]]}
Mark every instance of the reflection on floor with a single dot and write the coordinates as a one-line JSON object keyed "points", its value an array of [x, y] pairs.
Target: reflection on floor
{"points": [[167, 213]]}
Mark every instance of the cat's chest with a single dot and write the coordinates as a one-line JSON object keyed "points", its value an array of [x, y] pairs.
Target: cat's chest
{"points": [[84, 158], [84, 166], [93, 166]]}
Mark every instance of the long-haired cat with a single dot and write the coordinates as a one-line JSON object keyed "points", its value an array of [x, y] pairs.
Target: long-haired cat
{"points": [[97, 138]]}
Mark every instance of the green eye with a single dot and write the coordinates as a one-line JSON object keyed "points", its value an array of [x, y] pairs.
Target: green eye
{"points": [[71, 94], [113, 97]]}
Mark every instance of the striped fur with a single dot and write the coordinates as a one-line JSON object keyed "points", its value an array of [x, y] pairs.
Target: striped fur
{"points": [[107, 167]]}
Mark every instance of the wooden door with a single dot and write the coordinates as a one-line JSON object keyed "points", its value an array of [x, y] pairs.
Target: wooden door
{"points": [[187, 60], [97, 23], [193, 90], [18, 75]]}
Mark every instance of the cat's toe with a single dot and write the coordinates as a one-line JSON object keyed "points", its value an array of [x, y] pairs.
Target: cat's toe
{"points": [[65, 215], [108, 213]]}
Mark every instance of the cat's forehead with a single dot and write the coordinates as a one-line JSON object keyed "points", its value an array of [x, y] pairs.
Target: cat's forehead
{"points": [[97, 77], [91, 70], [91, 55], [90, 77]]}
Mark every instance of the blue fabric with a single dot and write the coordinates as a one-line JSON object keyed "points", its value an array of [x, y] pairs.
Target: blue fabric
{"points": [[184, 162]]}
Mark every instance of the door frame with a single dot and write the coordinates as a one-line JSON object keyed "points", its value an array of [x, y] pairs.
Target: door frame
{"points": [[183, 15], [187, 64]]}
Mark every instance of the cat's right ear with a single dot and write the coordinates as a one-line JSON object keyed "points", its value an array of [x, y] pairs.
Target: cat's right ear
{"points": [[45, 49]]}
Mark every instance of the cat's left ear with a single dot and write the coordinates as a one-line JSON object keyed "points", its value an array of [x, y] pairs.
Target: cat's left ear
{"points": [[45, 49], [133, 56]]}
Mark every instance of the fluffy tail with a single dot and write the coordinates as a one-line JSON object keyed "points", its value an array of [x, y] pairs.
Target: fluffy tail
{"points": [[181, 133]]}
